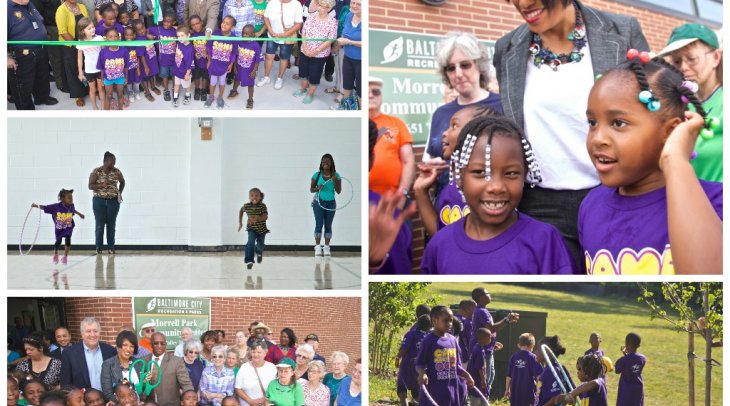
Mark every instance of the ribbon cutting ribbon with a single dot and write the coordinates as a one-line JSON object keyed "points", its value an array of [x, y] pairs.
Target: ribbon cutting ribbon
{"points": [[141, 42], [145, 376]]}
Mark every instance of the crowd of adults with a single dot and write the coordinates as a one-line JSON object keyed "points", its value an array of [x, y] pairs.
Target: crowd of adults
{"points": [[252, 370]]}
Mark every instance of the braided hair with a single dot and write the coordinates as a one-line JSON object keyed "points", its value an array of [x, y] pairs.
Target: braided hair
{"points": [[592, 365]]}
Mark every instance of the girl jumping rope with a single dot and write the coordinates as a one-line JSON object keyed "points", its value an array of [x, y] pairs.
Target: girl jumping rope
{"points": [[62, 213], [257, 214]]}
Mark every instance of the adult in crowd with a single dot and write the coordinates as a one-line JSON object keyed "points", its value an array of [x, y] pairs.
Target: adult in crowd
{"points": [[193, 364], [260, 332], [220, 336], [241, 345], [316, 393], [122, 5], [321, 23], [324, 184], [695, 50], [209, 341], [172, 376], [207, 10], [232, 359], [48, 341], [339, 361], [48, 8], [186, 333], [305, 355], [254, 376], [286, 348], [81, 362], [14, 358], [148, 329], [28, 69], [333, 66], [63, 339], [285, 390], [67, 17], [351, 43], [313, 340], [141, 351], [18, 331], [350, 388], [217, 381], [242, 11], [38, 364], [107, 184], [114, 369], [394, 164], [283, 19], [552, 61]]}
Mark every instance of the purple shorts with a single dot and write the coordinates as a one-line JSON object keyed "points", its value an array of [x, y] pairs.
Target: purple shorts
{"points": [[218, 80]]}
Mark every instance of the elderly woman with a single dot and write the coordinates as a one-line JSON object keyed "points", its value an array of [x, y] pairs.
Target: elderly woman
{"points": [[254, 376], [38, 364], [314, 54], [107, 184], [232, 359], [339, 361], [193, 364], [695, 51], [546, 69], [186, 333], [351, 42], [350, 389], [217, 380], [285, 349], [315, 392], [285, 390], [305, 355], [324, 184], [114, 369], [283, 19], [68, 15], [242, 11]]}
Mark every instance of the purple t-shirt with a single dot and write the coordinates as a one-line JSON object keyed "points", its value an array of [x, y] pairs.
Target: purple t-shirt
{"points": [[528, 247], [101, 29], [630, 385], [62, 218], [400, 256], [248, 54], [441, 359], [133, 64], [221, 55], [476, 367], [548, 387], [597, 352], [481, 318], [523, 369], [465, 337], [201, 50], [450, 207], [113, 64], [184, 55], [407, 375], [166, 50], [630, 234], [150, 57], [598, 396]]}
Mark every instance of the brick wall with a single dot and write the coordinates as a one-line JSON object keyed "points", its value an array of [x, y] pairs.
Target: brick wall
{"points": [[335, 320]]}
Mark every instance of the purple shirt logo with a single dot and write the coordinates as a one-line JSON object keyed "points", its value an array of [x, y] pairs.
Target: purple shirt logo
{"points": [[114, 68], [648, 261], [222, 51]]}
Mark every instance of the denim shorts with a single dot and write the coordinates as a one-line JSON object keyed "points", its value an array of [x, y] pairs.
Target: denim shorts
{"points": [[165, 71], [284, 49], [118, 81]]}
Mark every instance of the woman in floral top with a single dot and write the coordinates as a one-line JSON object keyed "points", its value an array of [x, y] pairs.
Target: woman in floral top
{"points": [[314, 54], [315, 392], [107, 184]]}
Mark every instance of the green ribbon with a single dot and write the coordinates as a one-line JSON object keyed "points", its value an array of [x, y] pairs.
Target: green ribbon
{"points": [[141, 42]]}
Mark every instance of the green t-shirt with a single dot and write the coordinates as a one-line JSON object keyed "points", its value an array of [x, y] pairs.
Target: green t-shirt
{"points": [[708, 164], [289, 395], [328, 191], [258, 11]]}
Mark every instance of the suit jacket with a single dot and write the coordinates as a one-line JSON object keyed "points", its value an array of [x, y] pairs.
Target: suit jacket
{"points": [[609, 37], [111, 374], [174, 377], [73, 364], [206, 9], [57, 352]]}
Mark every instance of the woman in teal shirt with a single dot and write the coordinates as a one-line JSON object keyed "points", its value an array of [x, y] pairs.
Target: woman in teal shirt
{"points": [[324, 184]]}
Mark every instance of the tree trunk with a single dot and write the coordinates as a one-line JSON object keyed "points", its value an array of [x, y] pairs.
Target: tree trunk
{"points": [[708, 348], [691, 361]]}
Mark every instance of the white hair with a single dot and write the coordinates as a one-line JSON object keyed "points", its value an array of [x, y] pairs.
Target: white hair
{"points": [[470, 46]]}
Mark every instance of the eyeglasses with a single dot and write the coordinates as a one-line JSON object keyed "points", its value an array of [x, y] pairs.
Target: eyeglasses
{"points": [[464, 65], [193, 352], [302, 356], [159, 343], [149, 330], [375, 92], [689, 60], [218, 357]]}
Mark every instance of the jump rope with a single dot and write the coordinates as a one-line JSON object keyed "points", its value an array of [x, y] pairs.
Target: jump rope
{"points": [[352, 195], [566, 385], [22, 231]]}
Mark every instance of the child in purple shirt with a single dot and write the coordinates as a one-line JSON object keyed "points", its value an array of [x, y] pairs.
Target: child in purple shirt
{"points": [[108, 21], [147, 57], [405, 359], [248, 56], [522, 373], [492, 161], [593, 387], [62, 213], [651, 215], [166, 51], [134, 68], [220, 61], [439, 363], [595, 341], [549, 388], [113, 62], [184, 61], [630, 366], [200, 70], [477, 366], [466, 312]]}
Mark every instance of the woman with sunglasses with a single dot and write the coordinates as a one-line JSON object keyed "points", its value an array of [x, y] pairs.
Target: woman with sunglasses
{"points": [[217, 380], [193, 364], [38, 364]]}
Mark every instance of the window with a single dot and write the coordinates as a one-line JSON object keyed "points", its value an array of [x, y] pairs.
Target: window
{"points": [[707, 10]]}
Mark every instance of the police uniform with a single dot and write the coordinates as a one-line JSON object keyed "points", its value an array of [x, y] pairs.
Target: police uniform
{"points": [[29, 82]]}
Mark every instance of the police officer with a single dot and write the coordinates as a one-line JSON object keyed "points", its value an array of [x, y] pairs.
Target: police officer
{"points": [[28, 70]]}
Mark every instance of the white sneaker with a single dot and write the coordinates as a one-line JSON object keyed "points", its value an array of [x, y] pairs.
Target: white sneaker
{"points": [[327, 250], [138, 96], [279, 83], [317, 250], [263, 81]]}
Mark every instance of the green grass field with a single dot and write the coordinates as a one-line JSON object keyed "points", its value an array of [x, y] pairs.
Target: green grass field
{"points": [[573, 317]]}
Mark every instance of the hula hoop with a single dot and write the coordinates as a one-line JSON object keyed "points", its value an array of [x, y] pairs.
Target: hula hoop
{"points": [[352, 195], [550, 357], [428, 395], [22, 231]]}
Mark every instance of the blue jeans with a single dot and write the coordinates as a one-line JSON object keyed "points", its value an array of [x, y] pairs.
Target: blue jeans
{"points": [[489, 360], [323, 217], [255, 244], [105, 214]]}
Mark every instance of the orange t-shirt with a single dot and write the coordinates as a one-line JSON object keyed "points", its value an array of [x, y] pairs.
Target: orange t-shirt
{"points": [[387, 166]]}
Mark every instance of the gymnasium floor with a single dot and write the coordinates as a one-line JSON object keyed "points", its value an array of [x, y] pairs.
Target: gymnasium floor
{"points": [[166, 270]]}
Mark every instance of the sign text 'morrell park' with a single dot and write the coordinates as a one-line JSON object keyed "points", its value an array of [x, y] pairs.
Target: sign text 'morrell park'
{"points": [[171, 314]]}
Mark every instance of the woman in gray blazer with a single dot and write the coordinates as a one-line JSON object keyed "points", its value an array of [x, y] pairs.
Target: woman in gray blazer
{"points": [[114, 369], [546, 68]]}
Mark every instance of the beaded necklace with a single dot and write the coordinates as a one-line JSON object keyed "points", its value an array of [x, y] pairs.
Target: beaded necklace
{"points": [[544, 56]]}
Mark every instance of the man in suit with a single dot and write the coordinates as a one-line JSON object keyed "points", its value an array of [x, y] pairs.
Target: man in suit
{"points": [[207, 10], [63, 338], [174, 377], [81, 362]]}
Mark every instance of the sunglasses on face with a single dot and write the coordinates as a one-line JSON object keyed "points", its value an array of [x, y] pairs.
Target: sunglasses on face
{"points": [[464, 65], [149, 330], [375, 92]]}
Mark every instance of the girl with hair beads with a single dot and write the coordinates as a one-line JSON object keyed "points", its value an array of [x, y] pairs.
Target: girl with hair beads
{"points": [[200, 70], [651, 215], [113, 63], [593, 388], [135, 72], [490, 164], [257, 214], [93, 397], [150, 67], [62, 213], [547, 387], [87, 58], [438, 363]]}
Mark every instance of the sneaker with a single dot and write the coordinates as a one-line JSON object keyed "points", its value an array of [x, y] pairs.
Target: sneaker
{"points": [[196, 96], [125, 102], [317, 250], [259, 258], [221, 103], [299, 92], [131, 98], [249, 265], [64, 260], [328, 77], [263, 81], [186, 100], [279, 83], [138, 96], [55, 258], [209, 102], [175, 103], [308, 99], [327, 251], [203, 95], [167, 95]]}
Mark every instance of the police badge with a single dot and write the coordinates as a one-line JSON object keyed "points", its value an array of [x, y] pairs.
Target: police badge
{"points": [[18, 15]]}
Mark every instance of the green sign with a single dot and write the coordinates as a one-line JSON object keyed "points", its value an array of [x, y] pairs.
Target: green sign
{"points": [[412, 87], [171, 314]]}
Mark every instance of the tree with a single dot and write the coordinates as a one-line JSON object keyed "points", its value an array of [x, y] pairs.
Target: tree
{"points": [[697, 309]]}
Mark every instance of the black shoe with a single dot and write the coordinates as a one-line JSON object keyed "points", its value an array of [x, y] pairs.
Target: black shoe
{"points": [[196, 96], [167, 95], [49, 102], [276, 57], [249, 265], [175, 103], [259, 258], [203, 95], [98, 251], [328, 78], [229, 81]]}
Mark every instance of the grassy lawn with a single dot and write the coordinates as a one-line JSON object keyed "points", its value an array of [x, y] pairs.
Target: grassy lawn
{"points": [[573, 317]]}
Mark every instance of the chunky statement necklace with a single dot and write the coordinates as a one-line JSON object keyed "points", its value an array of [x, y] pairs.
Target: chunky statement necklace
{"points": [[544, 56]]}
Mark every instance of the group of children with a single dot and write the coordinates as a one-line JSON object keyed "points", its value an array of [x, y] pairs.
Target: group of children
{"points": [[443, 360], [184, 53]]}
